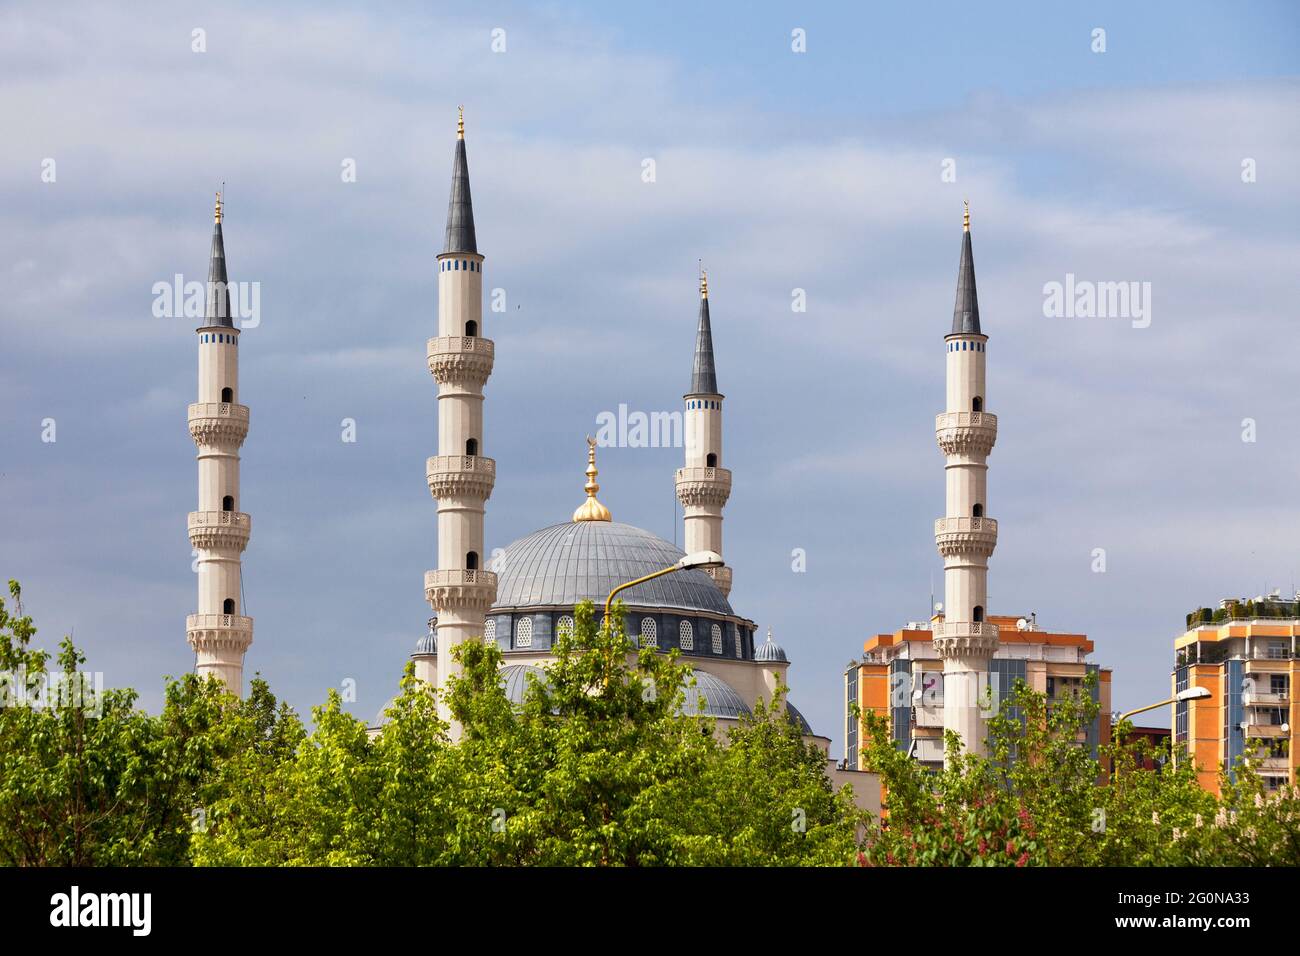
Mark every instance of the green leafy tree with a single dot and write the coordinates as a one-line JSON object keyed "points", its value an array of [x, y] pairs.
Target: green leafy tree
{"points": [[767, 799], [88, 779], [962, 815], [1042, 798], [596, 767]]}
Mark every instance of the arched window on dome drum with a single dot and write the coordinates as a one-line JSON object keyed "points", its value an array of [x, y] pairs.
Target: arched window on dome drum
{"points": [[471, 329], [717, 639], [565, 627], [739, 642], [524, 633], [471, 561], [649, 632], [490, 629], [977, 404], [979, 614], [977, 511], [686, 636], [228, 606]]}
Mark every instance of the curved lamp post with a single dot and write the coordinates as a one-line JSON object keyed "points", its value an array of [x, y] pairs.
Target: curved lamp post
{"points": [[1192, 693], [698, 560]]}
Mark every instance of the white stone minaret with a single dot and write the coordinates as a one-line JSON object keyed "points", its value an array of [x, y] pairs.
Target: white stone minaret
{"points": [[460, 478], [704, 486], [965, 536], [219, 633]]}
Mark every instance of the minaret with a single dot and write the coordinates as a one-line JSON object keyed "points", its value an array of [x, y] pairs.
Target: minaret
{"points": [[704, 486], [460, 478], [965, 537], [219, 632]]}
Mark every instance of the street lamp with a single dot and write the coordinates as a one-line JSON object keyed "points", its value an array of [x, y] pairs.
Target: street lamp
{"points": [[1192, 693], [696, 560]]}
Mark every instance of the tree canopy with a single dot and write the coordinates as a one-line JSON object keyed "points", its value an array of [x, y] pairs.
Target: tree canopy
{"points": [[598, 765]]}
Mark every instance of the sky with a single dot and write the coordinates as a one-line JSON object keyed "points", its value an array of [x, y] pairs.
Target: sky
{"points": [[1169, 158]]}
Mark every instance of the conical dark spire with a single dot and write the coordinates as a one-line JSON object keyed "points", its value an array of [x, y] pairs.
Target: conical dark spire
{"points": [[704, 378], [460, 208], [217, 311], [966, 311]]}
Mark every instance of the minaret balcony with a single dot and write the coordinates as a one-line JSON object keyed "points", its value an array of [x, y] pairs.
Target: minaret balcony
{"points": [[703, 486], [461, 359], [219, 632], [461, 476], [219, 530], [218, 423], [964, 638], [460, 589], [966, 433], [966, 536]]}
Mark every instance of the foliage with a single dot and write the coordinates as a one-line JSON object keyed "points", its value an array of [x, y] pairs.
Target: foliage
{"points": [[89, 780], [768, 800], [1041, 798], [597, 767]]}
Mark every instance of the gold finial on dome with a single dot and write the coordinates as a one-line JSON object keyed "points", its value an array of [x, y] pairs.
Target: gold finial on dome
{"points": [[460, 123], [591, 509], [216, 212], [965, 220]]}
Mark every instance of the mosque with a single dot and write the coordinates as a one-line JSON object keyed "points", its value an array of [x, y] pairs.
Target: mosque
{"points": [[526, 599]]}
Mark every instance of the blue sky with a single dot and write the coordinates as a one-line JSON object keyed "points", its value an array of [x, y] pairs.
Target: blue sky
{"points": [[818, 171]]}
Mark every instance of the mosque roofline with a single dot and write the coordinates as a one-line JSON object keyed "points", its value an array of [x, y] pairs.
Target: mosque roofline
{"points": [[631, 608]]}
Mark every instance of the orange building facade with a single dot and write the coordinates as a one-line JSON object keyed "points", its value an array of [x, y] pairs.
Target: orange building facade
{"points": [[1245, 655], [900, 677]]}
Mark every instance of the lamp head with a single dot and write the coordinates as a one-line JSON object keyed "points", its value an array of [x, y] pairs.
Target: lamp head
{"points": [[700, 560]]}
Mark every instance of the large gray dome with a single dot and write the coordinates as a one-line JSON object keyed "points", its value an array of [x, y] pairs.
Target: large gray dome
{"points": [[567, 563]]}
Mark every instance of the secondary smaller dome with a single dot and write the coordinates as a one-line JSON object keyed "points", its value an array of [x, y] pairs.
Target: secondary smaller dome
{"points": [[428, 643], [720, 698], [770, 651], [800, 721], [514, 678]]}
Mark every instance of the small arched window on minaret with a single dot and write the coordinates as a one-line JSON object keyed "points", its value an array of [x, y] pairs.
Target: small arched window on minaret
{"points": [[471, 329], [711, 460], [977, 404], [471, 447], [227, 395], [471, 561], [977, 511], [979, 614], [228, 606], [228, 503]]}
